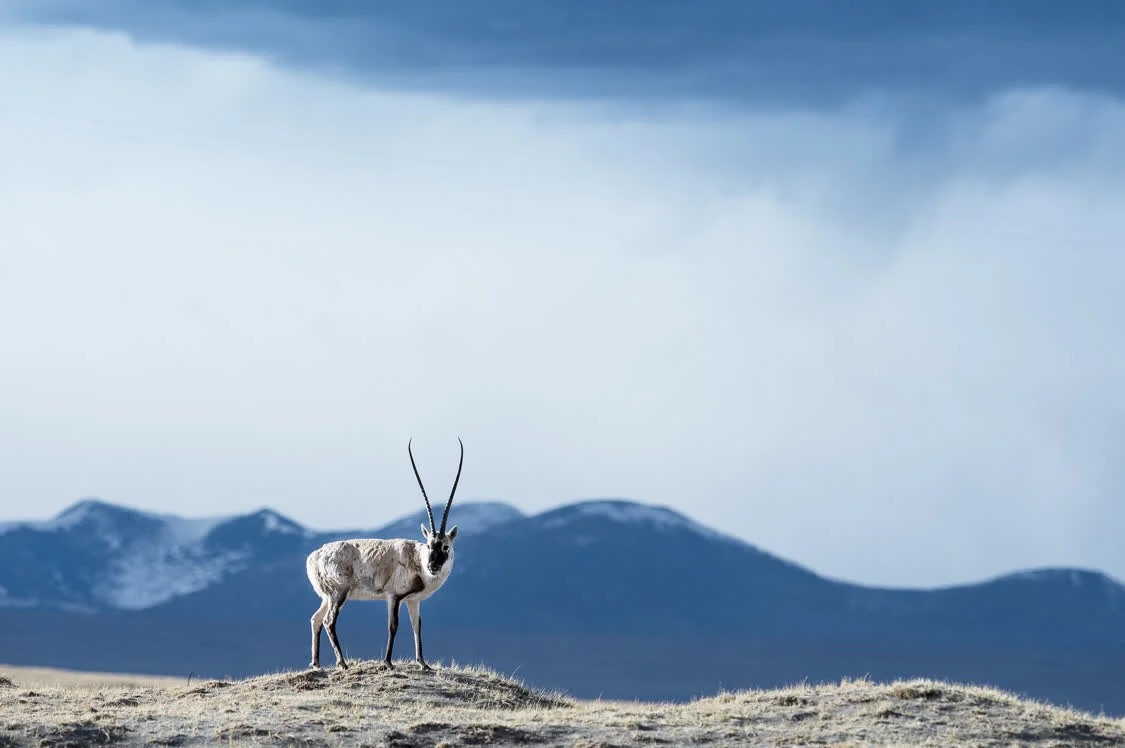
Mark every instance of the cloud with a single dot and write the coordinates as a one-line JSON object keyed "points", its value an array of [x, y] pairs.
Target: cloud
{"points": [[878, 340], [745, 51]]}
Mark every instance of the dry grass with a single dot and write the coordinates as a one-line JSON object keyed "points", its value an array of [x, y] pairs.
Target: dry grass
{"points": [[45, 677], [473, 706]]}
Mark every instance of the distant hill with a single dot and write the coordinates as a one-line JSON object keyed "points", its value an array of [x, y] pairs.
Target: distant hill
{"points": [[593, 594]]}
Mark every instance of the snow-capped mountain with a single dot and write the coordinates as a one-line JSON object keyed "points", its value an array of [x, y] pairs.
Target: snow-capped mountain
{"points": [[98, 556]]}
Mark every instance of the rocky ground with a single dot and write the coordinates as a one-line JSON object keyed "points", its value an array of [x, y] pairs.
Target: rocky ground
{"points": [[456, 706]]}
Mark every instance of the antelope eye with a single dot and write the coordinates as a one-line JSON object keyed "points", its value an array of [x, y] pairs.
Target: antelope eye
{"points": [[445, 547]]}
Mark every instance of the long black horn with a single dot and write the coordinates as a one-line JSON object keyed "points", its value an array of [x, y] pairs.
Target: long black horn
{"points": [[449, 503], [424, 496]]}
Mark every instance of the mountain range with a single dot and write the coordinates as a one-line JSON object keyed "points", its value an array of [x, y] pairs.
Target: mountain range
{"points": [[604, 597]]}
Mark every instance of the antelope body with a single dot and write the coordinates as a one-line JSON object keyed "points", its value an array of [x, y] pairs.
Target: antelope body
{"points": [[395, 570]]}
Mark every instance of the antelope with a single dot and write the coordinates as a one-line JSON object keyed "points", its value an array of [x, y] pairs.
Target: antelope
{"points": [[375, 569]]}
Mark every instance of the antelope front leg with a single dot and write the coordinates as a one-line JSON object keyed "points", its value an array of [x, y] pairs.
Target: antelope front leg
{"points": [[392, 627], [412, 607]]}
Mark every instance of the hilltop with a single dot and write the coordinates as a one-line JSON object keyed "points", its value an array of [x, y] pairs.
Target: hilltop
{"points": [[465, 706]]}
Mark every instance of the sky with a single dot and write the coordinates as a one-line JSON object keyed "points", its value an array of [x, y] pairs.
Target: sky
{"points": [[863, 315]]}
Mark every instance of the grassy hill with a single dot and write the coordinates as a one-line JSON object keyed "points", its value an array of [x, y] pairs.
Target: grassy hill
{"points": [[465, 706]]}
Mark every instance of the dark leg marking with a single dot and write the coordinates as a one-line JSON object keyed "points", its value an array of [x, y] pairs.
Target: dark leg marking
{"points": [[393, 602], [330, 622], [392, 626]]}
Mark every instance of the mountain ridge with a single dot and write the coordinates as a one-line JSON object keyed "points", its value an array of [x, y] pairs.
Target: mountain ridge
{"points": [[105, 556], [183, 555]]}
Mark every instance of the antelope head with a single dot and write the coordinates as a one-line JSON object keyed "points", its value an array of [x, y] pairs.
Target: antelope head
{"points": [[439, 542]]}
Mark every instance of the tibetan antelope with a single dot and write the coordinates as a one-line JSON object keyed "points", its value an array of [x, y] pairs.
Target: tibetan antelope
{"points": [[374, 569]]}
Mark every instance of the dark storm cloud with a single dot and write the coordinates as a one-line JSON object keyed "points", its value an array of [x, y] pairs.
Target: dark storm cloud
{"points": [[744, 51]]}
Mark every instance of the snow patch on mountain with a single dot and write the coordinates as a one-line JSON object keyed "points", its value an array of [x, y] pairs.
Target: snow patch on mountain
{"points": [[92, 513], [170, 564], [630, 512], [274, 522], [82, 512], [153, 575], [478, 516], [150, 558], [183, 530], [175, 563]]}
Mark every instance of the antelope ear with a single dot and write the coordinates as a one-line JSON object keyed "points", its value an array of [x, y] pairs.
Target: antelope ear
{"points": [[425, 531], [453, 532]]}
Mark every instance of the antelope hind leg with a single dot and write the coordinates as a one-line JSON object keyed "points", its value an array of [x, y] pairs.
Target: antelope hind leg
{"points": [[317, 625]]}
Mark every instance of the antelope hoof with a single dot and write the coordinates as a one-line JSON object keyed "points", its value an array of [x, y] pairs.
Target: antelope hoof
{"points": [[341, 665], [387, 665], [422, 665], [314, 666]]}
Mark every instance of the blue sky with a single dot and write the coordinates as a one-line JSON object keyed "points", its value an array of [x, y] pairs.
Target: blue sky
{"points": [[843, 284]]}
